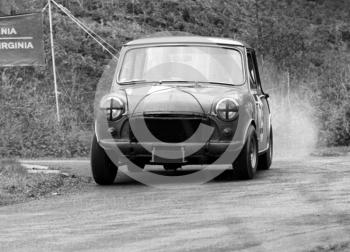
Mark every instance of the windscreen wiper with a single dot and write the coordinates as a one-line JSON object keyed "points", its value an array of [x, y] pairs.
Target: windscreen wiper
{"points": [[136, 82], [196, 82], [216, 83], [178, 81]]}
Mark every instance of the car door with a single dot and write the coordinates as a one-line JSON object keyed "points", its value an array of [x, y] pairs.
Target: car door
{"points": [[261, 102]]}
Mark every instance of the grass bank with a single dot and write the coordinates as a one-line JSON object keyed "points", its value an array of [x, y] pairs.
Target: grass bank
{"points": [[18, 185]]}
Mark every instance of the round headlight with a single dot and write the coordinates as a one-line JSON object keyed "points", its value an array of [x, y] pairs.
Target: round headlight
{"points": [[227, 109], [114, 108]]}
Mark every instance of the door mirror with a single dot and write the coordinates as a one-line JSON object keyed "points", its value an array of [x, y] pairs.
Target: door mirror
{"points": [[265, 96]]}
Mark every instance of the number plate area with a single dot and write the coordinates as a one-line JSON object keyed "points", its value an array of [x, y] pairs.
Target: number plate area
{"points": [[165, 154]]}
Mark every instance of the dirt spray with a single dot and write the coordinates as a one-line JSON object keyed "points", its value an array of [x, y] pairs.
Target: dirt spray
{"points": [[295, 129]]}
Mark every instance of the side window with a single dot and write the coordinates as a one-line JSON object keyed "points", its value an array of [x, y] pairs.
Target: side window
{"points": [[252, 72]]}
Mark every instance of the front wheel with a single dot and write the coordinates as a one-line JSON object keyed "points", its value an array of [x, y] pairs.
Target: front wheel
{"points": [[247, 161], [103, 169]]}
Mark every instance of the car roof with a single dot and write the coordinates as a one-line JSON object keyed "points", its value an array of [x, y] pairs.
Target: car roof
{"points": [[187, 39]]}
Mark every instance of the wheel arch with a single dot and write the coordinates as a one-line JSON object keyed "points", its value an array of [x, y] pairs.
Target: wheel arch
{"points": [[251, 122]]}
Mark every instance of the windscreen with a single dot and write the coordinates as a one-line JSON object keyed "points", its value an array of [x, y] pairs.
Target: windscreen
{"points": [[182, 63]]}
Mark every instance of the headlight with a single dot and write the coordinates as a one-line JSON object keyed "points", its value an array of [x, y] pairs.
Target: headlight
{"points": [[113, 107], [227, 109]]}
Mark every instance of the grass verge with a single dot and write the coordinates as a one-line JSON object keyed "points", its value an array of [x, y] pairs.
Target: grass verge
{"points": [[342, 247], [332, 151], [17, 185]]}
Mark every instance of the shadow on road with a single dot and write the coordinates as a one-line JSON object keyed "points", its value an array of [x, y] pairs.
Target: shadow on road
{"points": [[227, 176]]}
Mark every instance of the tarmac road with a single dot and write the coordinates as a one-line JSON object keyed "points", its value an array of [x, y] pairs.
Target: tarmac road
{"points": [[296, 206]]}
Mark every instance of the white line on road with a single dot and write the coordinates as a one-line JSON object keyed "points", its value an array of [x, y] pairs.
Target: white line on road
{"points": [[18, 38]]}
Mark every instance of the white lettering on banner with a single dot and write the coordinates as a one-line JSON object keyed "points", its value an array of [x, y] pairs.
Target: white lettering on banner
{"points": [[8, 31], [13, 45], [16, 45], [22, 40]]}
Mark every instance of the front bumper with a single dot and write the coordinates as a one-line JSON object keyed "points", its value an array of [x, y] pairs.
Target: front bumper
{"points": [[191, 153]]}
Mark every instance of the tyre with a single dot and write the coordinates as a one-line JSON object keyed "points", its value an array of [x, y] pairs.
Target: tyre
{"points": [[247, 161], [265, 160], [103, 169]]}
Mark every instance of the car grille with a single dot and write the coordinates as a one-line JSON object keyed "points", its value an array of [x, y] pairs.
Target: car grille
{"points": [[173, 129]]}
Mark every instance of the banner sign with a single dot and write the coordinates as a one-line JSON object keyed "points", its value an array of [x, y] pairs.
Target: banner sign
{"points": [[21, 40]]}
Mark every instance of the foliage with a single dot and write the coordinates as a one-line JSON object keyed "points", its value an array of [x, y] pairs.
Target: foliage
{"points": [[308, 39]]}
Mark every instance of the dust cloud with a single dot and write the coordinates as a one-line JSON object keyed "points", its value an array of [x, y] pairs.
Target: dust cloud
{"points": [[295, 129]]}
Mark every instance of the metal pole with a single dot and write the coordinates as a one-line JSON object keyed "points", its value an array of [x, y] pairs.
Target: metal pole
{"points": [[288, 88], [53, 62]]}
